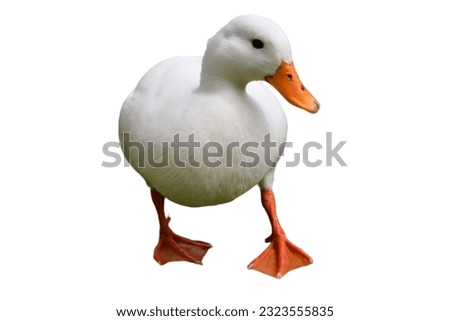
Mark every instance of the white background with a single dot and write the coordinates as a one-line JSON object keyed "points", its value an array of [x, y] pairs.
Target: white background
{"points": [[77, 239]]}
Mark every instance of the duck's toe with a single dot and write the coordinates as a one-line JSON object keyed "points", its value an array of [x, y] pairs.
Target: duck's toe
{"points": [[280, 257], [177, 248]]}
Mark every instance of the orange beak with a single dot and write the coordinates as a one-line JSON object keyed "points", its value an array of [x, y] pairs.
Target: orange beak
{"points": [[287, 82]]}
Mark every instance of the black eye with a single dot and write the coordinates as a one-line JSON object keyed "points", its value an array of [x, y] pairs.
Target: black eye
{"points": [[258, 44]]}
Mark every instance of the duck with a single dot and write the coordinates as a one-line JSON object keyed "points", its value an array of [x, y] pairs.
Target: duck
{"points": [[176, 128]]}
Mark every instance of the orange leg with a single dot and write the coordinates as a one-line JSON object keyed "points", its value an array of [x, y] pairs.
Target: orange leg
{"points": [[172, 247], [281, 256]]}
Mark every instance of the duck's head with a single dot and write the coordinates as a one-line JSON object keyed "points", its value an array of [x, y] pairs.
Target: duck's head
{"points": [[254, 48]]}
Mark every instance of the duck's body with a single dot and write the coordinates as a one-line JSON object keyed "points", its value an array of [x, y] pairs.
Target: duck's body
{"points": [[229, 117], [201, 132]]}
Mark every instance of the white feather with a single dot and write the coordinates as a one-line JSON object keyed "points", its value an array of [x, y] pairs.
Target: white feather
{"points": [[216, 99]]}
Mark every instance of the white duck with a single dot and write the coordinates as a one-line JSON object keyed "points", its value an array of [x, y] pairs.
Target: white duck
{"points": [[214, 101]]}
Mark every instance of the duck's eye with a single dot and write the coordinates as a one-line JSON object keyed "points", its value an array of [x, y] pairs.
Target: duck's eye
{"points": [[258, 44]]}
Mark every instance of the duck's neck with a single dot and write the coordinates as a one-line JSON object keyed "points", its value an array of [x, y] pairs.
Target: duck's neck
{"points": [[219, 84], [218, 77]]}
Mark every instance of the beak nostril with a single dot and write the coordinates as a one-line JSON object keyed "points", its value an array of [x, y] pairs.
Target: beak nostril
{"points": [[303, 87], [289, 75]]}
